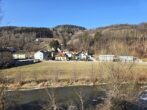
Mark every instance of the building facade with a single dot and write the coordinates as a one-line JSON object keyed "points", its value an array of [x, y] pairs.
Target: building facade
{"points": [[41, 55], [127, 58], [107, 58], [19, 56]]}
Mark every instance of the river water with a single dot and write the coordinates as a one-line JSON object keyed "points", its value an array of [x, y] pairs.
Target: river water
{"points": [[38, 98]]}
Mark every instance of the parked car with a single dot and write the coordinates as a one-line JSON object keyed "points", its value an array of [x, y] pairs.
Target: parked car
{"points": [[142, 100]]}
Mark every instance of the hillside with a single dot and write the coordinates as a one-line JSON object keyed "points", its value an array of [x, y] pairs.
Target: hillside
{"points": [[115, 39], [121, 39], [22, 38]]}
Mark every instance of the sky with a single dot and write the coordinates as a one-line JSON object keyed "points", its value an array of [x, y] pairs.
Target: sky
{"points": [[86, 13]]}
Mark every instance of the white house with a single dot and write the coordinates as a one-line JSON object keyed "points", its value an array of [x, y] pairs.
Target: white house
{"points": [[60, 58], [83, 56], [107, 58], [40, 55], [19, 56], [68, 55], [127, 58]]}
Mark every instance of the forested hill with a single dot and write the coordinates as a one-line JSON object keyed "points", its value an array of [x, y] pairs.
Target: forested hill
{"points": [[119, 39], [42, 32], [115, 39], [18, 31], [24, 37], [69, 28]]}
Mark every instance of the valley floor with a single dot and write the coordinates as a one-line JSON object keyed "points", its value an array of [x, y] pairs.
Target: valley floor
{"points": [[60, 74]]}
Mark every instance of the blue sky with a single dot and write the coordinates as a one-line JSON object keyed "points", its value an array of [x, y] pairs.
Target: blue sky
{"points": [[87, 13]]}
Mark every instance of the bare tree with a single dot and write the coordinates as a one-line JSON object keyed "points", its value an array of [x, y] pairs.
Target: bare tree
{"points": [[52, 98], [71, 106], [80, 96], [3, 81], [51, 103], [3, 88], [119, 75]]}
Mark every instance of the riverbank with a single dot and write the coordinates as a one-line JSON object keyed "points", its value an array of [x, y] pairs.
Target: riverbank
{"points": [[26, 86]]}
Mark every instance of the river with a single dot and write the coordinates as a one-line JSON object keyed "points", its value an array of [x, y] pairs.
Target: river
{"points": [[63, 96]]}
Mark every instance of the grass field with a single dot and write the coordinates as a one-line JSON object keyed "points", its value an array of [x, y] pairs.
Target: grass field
{"points": [[46, 70], [144, 59], [62, 70]]}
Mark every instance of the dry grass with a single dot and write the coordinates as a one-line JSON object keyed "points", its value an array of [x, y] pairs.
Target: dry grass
{"points": [[46, 70], [115, 74], [144, 59], [64, 70]]}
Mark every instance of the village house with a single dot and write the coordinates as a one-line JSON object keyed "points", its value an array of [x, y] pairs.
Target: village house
{"points": [[41, 55], [19, 56], [61, 57], [82, 56], [69, 55], [127, 58], [107, 58], [118, 58]]}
